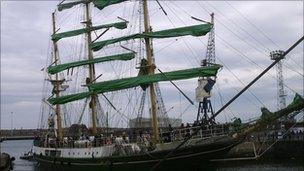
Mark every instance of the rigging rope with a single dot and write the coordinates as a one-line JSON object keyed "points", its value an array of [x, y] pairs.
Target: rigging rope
{"points": [[222, 103], [222, 62], [253, 62], [229, 102], [205, 45], [258, 29], [267, 50], [241, 38]]}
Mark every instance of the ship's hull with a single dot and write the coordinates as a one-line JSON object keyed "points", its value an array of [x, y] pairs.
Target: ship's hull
{"points": [[194, 156]]}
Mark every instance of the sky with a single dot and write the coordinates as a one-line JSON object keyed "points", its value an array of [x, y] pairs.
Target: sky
{"points": [[246, 32]]}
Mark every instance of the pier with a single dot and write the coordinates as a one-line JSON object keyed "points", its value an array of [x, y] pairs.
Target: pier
{"points": [[19, 134]]}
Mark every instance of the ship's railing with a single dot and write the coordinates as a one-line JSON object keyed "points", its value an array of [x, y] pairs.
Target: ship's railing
{"points": [[82, 142], [269, 135], [143, 138], [90, 141], [180, 134]]}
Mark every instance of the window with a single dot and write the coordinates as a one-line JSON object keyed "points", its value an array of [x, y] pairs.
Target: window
{"points": [[55, 153], [47, 152]]}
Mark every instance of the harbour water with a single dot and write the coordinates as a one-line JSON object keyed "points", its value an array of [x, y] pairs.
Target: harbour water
{"points": [[17, 148]]}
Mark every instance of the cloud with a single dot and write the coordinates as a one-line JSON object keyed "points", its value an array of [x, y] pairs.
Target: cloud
{"points": [[240, 48]]}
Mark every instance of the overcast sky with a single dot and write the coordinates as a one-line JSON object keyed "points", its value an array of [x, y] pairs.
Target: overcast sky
{"points": [[245, 32]]}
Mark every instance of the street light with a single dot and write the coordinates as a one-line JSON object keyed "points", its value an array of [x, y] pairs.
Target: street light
{"points": [[11, 123]]}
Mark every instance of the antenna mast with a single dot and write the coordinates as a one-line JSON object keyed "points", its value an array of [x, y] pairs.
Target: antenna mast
{"points": [[151, 71]]}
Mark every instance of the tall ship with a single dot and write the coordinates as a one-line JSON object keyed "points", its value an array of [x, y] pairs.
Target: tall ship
{"points": [[79, 85]]}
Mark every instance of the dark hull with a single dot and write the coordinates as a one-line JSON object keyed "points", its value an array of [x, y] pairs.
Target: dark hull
{"points": [[29, 158], [189, 157]]}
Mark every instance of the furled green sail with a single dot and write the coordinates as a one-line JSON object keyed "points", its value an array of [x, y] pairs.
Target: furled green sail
{"points": [[295, 105], [114, 85], [196, 30], [58, 36], [268, 117], [100, 4], [61, 67], [68, 5], [69, 98], [124, 83]]}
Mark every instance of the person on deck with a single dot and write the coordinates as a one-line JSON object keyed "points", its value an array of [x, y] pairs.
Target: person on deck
{"points": [[188, 130], [182, 130], [170, 133]]}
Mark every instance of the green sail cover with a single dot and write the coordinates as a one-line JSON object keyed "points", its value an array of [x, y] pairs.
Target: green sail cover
{"points": [[101, 4], [58, 36], [296, 105], [61, 67], [196, 30], [114, 85], [68, 5], [297, 101], [119, 84], [69, 98], [268, 117]]}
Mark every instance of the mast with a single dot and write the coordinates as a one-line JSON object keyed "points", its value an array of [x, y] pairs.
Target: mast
{"points": [[151, 71], [56, 58], [92, 105]]}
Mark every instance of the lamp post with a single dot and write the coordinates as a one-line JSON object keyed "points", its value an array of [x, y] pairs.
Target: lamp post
{"points": [[11, 123]]}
